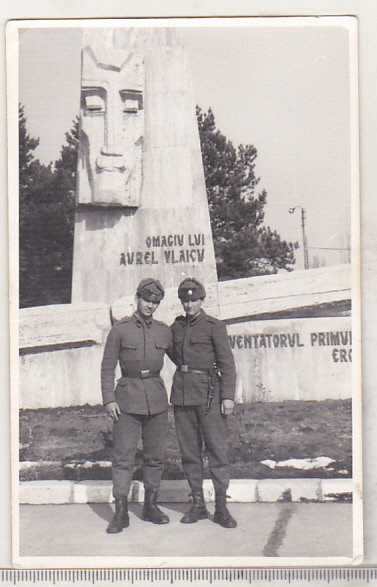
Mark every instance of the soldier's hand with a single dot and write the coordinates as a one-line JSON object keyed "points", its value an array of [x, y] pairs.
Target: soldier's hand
{"points": [[227, 406], [113, 410]]}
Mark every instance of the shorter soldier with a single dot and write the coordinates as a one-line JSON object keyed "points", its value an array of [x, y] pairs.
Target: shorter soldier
{"points": [[201, 400], [139, 403]]}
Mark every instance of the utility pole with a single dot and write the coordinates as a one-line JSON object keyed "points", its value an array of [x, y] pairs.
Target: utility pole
{"points": [[304, 240]]}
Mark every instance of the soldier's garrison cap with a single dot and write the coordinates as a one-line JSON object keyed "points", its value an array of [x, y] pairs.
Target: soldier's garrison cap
{"points": [[151, 290], [191, 289]]}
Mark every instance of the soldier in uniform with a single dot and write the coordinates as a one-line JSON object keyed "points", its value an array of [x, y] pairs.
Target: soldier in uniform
{"points": [[203, 396], [139, 403]]}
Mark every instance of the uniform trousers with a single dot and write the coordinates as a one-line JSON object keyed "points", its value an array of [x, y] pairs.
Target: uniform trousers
{"points": [[193, 426], [126, 434]]}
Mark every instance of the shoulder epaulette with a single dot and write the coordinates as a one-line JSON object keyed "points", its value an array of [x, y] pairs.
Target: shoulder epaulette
{"points": [[211, 319], [161, 323], [121, 321]]}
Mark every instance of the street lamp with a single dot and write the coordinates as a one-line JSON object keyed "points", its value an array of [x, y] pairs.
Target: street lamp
{"points": [[305, 242]]}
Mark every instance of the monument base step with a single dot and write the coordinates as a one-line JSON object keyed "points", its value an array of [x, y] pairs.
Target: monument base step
{"points": [[240, 490]]}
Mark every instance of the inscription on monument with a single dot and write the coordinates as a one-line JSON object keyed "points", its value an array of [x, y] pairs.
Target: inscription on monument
{"points": [[339, 339], [171, 248]]}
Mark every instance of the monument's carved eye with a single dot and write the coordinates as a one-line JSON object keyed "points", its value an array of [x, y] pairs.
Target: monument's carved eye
{"points": [[131, 106], [132, 101], [93, 103]]}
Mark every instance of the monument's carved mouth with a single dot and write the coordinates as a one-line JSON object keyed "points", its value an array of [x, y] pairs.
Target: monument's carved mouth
{"points": [[110, 163], [111, 169]]}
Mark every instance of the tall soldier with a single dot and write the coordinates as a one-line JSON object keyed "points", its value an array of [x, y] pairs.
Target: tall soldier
{"points": [[139, 403], [202, 395]]}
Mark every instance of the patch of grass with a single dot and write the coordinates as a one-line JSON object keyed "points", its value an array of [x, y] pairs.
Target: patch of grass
{"points": [[257, 431]]}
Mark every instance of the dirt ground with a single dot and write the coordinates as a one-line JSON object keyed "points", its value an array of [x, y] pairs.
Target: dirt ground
{"points": [[258, 431]]}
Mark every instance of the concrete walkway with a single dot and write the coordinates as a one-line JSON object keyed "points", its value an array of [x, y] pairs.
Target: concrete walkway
{"points": [[264, 529]]}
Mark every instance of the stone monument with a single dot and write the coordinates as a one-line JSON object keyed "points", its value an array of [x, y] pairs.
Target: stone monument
{"points": [[141, 200]]}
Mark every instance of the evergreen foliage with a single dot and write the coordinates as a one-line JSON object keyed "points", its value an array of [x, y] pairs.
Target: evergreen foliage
{"points": [[46, 214], [243, 245]]}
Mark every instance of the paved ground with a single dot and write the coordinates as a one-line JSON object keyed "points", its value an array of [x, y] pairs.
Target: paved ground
{"points": [[264, 529]]}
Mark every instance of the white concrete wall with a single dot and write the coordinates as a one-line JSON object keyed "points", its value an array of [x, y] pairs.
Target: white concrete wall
{"points": [[61, 378], [63, 323], [313, 368], [284, 291], [303, 359], [62, 346], [60, 354]]}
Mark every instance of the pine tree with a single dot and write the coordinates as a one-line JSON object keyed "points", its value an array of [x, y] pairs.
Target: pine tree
{"points": [[243, 245], [26, 148], [47, 203], [33, 177], [64, 190]]}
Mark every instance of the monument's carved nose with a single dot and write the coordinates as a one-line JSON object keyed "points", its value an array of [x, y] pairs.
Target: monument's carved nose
{"points": [[113, 126]]}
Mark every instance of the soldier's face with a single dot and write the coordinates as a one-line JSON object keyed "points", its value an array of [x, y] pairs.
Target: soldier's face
{"points": [[192, 307], [146, 308]]}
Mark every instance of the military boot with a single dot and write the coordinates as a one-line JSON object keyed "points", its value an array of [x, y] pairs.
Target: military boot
{"points": [[198, 509], [222, 515], [151, 512], [120, 519]]}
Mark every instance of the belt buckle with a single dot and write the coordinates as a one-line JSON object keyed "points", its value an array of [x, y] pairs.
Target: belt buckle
{"points": [[184, 369], [144, 374]]}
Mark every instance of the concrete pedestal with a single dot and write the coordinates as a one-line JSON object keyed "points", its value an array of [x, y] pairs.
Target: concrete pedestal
{"points": [[164, 231]]}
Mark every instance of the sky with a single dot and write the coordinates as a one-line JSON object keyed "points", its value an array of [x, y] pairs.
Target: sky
{"points": [[284, 89]]}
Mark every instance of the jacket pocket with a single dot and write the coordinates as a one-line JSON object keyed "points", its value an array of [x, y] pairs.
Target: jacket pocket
{"points": [[121, 384], [161, 344], [200, 341], [128, 346]]}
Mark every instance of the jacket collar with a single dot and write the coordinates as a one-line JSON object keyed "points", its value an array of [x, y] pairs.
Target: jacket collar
{"points": [[139, 321], [201, 314]]}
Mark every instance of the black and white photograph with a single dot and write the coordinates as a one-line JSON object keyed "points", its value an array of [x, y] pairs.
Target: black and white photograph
{"points": [[185, 292]]}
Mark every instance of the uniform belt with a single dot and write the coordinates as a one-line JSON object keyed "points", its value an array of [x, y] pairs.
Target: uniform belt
{"points": [[187, 369], [145, 374]]}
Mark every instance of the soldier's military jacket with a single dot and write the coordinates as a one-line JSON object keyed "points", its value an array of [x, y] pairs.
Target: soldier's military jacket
{"points": [[138, 346], [198, 343]]}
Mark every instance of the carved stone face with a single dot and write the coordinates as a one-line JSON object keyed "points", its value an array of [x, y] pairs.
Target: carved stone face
{"points": [[112, 126]]}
